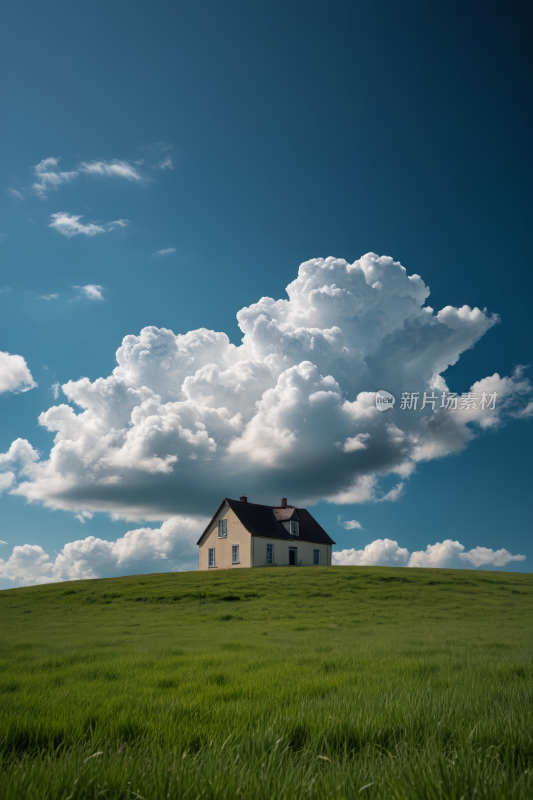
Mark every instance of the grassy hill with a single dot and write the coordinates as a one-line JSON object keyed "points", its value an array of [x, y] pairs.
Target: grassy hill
{"points": [[269, 683]]}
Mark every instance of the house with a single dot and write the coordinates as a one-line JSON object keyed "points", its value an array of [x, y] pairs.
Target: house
{"points": [[243, 534]]}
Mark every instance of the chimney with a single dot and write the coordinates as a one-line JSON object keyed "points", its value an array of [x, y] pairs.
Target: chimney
{"points": [[243, 499], [284, 502]]}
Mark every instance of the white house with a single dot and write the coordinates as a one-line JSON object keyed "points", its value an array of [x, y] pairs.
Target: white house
{"points": [[243, 534]]}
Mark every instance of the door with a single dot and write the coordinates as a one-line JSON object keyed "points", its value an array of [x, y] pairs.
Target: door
{"points": [[293, 552]]}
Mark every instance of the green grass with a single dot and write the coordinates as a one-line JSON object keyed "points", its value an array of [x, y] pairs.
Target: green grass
{"points": [[269, 683]]}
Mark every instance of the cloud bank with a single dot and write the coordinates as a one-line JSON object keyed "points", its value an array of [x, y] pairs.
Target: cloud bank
{"points": [[172, 546], [186, 419], [387, 553], [14, 374]]}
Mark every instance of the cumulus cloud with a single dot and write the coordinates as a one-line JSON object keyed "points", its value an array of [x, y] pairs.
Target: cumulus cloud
{"points": [[20, 454], [15, 462], [69, 225], [14, 374], [186, 419], [356, 442], [92, 291], [349, 524], [387, 553], [167, 252], [48, 297], [483, 556], [172, 546], [451, 554], [382, 552], [49, 178], [27, 565], [6, 480]]}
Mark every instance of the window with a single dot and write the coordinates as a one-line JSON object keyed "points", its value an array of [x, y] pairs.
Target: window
{"points": [[294, 528], [316, 558], [211, 556], [234, 553], [270, 553], [222, 528]]}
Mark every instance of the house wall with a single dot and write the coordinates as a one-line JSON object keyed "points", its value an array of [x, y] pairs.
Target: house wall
{"points": [[281, 552], [237, 534]]}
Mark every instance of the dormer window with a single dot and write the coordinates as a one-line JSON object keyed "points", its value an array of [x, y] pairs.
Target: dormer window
{"points": [[222, 528], [294, 528]]}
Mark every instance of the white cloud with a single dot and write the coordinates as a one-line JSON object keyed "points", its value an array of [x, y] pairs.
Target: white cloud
{"points": [[167, 252], [441, 554], [20, 454], [382, 552], [55, 389], [483, 556], [165, 164], [387, 552], [83, 516], [2, 542], [16, 194], [27, 565], [349, 524], [172, 546], [6, 481], [393, 495], [186, 419], [451, 554], [14, 374], [115, 168], [69, 225], [362, 490], [50, 179], [356, 443], [92, 290], [48, 297]]}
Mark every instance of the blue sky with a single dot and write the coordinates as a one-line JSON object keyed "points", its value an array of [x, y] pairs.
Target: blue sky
{"points": [[244, 139]]}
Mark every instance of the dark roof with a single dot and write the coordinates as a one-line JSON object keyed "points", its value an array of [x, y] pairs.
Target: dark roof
{"points": [[265, 521]]}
